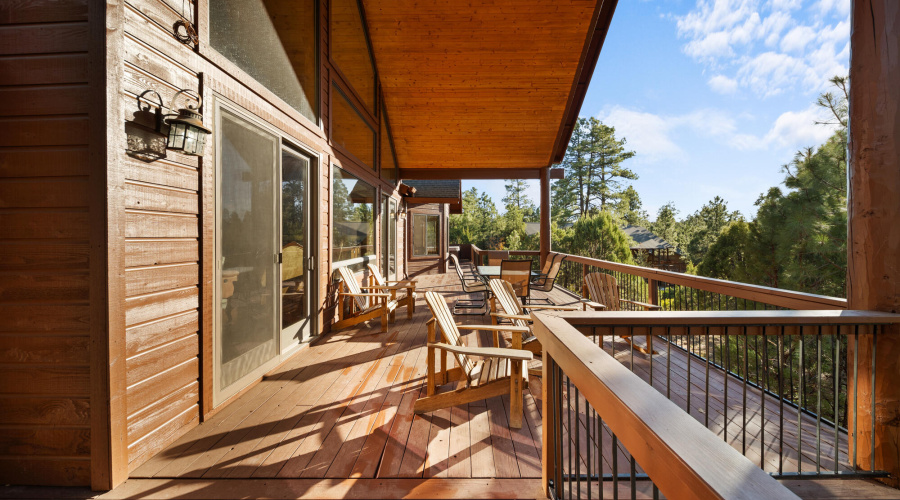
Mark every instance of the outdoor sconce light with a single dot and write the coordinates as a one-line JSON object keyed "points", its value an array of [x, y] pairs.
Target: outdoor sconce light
{"points": [[187, 133]]}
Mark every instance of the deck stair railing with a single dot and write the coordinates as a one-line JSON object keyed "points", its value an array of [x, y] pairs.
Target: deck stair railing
{"points": [[607, 433]]}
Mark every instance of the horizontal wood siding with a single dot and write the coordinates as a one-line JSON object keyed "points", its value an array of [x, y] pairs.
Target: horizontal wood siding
{"points": [[162, 228], [45, 428]]}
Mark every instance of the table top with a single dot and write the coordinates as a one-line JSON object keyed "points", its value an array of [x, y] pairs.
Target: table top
{"points": [[494, 271]]}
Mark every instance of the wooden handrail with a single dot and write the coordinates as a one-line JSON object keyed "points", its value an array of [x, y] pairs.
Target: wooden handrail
{"points": [[681, 456], [693, 318], [773, 296]]}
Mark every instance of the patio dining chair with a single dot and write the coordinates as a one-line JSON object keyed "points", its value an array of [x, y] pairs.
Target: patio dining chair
{"points": [[544, 282], [377, 282], [517, 273], [364, 306], [601, 292], [470, 284], [499, 371], [496, 257]]}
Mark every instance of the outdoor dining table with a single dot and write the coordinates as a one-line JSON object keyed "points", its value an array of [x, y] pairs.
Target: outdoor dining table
{"points": [[494, 272]]}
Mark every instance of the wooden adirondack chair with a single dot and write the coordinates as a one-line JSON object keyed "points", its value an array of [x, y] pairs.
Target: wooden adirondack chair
{"points": [[601, 292], [365, 306], [507, 307], [377, 282], [500, 370]]}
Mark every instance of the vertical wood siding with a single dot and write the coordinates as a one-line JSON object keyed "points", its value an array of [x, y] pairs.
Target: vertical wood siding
{"points": [[45, 433]]}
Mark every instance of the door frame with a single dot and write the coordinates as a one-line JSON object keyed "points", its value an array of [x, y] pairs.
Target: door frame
{"points": [[209, 373]]}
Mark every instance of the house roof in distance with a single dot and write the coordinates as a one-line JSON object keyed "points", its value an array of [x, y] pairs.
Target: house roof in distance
{"points": [[435, 191], [645, 240]]}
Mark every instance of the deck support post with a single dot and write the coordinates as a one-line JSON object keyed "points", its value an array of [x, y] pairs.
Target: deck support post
{"points": [[873, 271], [545, 214]]}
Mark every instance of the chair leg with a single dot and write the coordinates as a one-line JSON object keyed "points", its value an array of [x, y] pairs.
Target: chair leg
{"points": [[516, 408], [384, 318]]}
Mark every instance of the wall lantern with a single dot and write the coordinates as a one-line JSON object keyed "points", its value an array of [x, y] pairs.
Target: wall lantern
{"points": [[187, 133]]}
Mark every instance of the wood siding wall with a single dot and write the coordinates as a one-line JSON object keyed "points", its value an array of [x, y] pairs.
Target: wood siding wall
{"points": [[45, 435]]}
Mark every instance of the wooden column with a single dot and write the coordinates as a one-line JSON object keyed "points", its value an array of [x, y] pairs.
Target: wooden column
{"points": [[873, 275], [545, 214]]}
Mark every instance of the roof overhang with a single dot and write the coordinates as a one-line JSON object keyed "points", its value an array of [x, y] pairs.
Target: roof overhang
{"points": [[490, 90]]}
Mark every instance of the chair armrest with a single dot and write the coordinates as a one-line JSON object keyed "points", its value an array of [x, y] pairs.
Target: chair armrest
{"points": [[645, 305], [522, 317], [495, 328], [551, 308], [403, 284], [348, 294], [383, 287], [486, 352], [594, 305]]}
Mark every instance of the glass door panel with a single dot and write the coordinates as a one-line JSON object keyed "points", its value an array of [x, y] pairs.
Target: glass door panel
{"points": [[247, 336], [392, 241], [295, 303]]}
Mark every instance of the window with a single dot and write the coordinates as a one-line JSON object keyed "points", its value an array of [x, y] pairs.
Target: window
{"points": [[425, 235], [350, 50], [388, 159], [353, 232], [275, 43], [350, 130]]}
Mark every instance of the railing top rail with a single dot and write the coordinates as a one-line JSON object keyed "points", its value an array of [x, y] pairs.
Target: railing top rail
{"points": [[757, 317], [681, 456], [757, 293]]}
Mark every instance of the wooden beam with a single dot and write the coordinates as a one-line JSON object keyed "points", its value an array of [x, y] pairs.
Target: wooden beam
{"points": [[545, 214], [477, 173], [873, 274]]}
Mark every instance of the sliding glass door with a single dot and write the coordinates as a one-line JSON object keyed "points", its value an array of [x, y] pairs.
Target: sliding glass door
{"points": [[247, 327], [265, 288], [295, 258]]}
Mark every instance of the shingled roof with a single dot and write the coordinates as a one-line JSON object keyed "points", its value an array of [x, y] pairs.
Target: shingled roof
{"points": [[435, 188], [645, 240]]}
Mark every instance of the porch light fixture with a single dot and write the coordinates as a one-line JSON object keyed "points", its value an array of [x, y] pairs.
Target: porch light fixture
{"points": [[187, 133]]}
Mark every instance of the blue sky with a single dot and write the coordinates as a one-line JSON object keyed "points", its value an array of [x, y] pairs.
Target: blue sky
{"points": [[714, 96]]}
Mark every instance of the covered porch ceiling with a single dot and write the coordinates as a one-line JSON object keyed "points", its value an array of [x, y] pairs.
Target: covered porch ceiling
{"points": [[484, 89]]}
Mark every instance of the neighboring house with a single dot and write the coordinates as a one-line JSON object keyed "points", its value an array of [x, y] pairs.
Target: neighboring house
{"points": [[430, 204], [654, 251]]}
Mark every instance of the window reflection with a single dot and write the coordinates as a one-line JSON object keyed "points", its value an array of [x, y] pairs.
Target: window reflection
{"points": [[353, 233], [425, 235], [350, 51], [350, 131]]}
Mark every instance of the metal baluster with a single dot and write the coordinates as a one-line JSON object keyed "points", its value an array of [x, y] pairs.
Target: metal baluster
{"points": [[577, 444], [727, 374], [569, 433], [633, 483], [801, 407], [668, 362], [689, 370], [781, 402], [600, 448], [615, 465], [706, 403], [631, 338], [762, 398], [836, 373], [589, 413], [744, 405], [819, 399]]}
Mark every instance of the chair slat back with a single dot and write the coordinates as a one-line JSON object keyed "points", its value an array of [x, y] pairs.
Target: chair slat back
{"points": [[603, 289], [517, 272], [448, 328], [376, 274], [506, 298], [353, 287]]}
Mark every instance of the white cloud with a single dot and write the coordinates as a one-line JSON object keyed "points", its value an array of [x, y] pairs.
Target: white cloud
{"points": [[797, 39], [647, 134], [722, 84], [795, 129], [768, 47]]}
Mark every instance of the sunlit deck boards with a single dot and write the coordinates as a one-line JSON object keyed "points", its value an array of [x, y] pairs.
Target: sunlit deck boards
{"points": [[343, 409]]}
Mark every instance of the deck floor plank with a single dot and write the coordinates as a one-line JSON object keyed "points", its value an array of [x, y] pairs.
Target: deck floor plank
{"points": [[342, 408]]}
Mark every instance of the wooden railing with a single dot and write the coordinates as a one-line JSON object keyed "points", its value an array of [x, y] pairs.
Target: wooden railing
{"points": [[685, 292], [479, 256], [598, 414]]}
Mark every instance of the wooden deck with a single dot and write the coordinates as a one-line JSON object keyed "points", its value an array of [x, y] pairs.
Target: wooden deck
{"points": [[341, 410]]}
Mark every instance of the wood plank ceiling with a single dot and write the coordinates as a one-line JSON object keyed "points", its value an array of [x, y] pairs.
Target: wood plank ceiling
{"points": [[477, 84]]}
